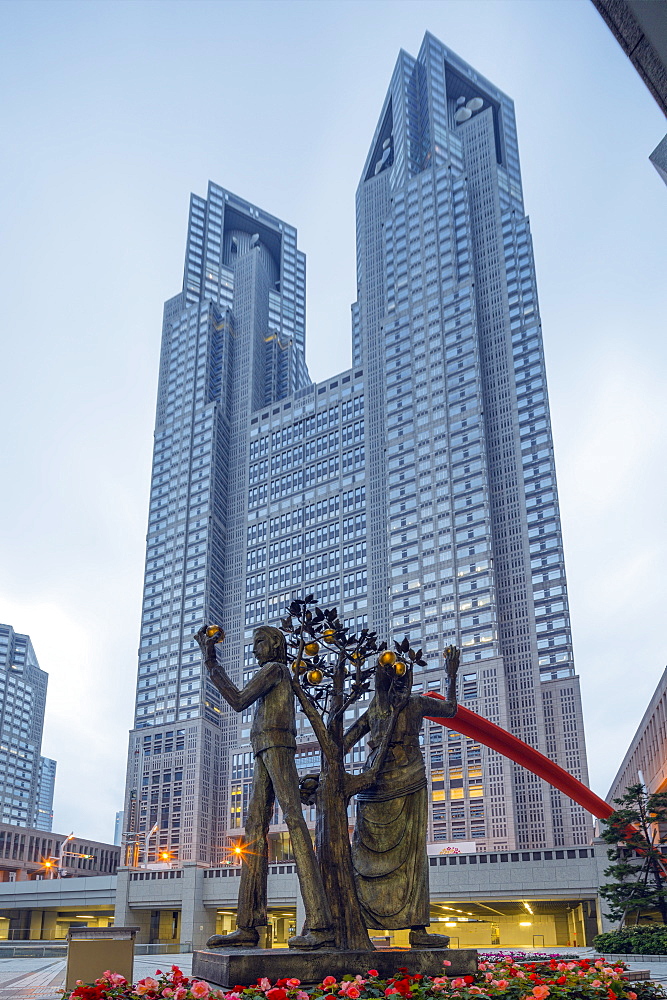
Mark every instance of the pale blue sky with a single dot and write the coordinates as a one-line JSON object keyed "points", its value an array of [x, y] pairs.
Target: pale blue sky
{"points": [[111, 114]]}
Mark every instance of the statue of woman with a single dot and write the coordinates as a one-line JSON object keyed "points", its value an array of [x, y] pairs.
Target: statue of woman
{"points": [[389, 843]]}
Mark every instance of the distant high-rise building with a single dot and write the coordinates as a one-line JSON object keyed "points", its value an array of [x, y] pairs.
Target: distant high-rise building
{"points": [[45, 789], [416, 491], [118, 829], [22, 700]]}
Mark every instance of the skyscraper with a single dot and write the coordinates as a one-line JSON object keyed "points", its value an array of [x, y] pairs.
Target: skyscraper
{"points": [[22, 701], [415, 491]]}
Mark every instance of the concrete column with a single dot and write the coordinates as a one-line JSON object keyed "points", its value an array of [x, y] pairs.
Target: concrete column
{"points": [[197, 922], [122, 915], [48, 931], [35, 925]]}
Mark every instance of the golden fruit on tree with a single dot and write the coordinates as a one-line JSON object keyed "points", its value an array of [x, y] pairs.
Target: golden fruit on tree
{"points": [[298, 666], [328, 634], [399, 668], [311, 648], [387, 658], [314, 676]]}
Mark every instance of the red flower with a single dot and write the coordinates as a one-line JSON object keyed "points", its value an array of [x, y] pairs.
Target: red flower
{"points": [[468, 979], [372, 972], [561, 980], [281, 982], [276, 994]]}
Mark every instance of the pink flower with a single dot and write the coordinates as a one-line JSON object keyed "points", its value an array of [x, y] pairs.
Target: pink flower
{"points": [[199, 988], [521, 975], [631, 995], [146, 985], [231, 996], [444, 963], [500, 983], [300, 996], [541, 992], [352, 992], [115, 978], [180, 993], [294, 982], [168, 992], [328, 981], [458, 983], [596, 983]]}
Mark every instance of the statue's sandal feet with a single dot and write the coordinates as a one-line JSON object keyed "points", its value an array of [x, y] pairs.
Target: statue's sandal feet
{"points": [[420, 939], [313, 940], [242, 937]]}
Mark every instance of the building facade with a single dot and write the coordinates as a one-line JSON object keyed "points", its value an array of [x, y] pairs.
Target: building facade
{"points": [[646, 759], [23, 779], [416, 491]]}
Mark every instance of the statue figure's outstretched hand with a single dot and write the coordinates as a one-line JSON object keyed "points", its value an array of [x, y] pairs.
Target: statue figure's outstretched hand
{"points": [[208, 636], [400, 690], [452, 657]]}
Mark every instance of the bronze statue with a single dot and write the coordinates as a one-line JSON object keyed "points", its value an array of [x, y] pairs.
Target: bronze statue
{"points": [[389, 843], [273, 739]]}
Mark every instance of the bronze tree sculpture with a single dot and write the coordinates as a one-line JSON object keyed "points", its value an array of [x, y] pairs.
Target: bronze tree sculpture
{"points": [[330, 672]]}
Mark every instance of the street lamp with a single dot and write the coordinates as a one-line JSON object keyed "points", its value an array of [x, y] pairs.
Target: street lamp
{"points": [[150, 833]]}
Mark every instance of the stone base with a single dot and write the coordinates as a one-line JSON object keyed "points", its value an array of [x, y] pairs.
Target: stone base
{"points": [[244, 966]]}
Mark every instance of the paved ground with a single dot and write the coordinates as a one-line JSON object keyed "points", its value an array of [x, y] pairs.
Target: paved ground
{"points": [[42, 978]]}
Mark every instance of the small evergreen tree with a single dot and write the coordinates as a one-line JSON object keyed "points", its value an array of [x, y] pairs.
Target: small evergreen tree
{"points": [[639, 871]]}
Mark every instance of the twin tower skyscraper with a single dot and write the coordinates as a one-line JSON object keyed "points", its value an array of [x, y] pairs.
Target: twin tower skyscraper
{"points": [[416, 492]]}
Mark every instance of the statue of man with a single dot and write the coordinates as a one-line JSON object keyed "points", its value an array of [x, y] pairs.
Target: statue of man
{"points": [[273, 739]]}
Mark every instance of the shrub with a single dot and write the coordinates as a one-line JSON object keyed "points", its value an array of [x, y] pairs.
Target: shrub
{"points": [[642, 939]]}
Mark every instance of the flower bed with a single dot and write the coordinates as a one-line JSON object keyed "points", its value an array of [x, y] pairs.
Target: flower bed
{"points": [[507, 979]]}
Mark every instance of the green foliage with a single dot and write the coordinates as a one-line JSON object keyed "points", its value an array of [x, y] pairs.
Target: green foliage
{"points": [[638, 873], [642, 939]]}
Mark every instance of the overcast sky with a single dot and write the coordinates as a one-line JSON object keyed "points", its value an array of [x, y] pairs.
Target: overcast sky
{"points": [[112, 113]]}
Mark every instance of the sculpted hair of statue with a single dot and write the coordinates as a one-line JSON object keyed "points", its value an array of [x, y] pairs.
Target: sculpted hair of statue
{"points": [[277, 641]]}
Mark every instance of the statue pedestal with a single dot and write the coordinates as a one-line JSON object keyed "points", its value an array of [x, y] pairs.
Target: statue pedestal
{"points": [[244, 966]]}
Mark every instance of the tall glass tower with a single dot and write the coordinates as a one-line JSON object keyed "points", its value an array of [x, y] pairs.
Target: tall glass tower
{"points": [[23, 781], [232, 342], [447, 328], [416, 491]]}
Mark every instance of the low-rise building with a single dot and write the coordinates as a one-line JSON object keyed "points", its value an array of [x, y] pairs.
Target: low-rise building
{"points": [[28, 853]]}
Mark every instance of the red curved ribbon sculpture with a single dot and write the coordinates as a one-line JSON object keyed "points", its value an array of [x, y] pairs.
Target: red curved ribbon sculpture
{"points": [[470, 724]]}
